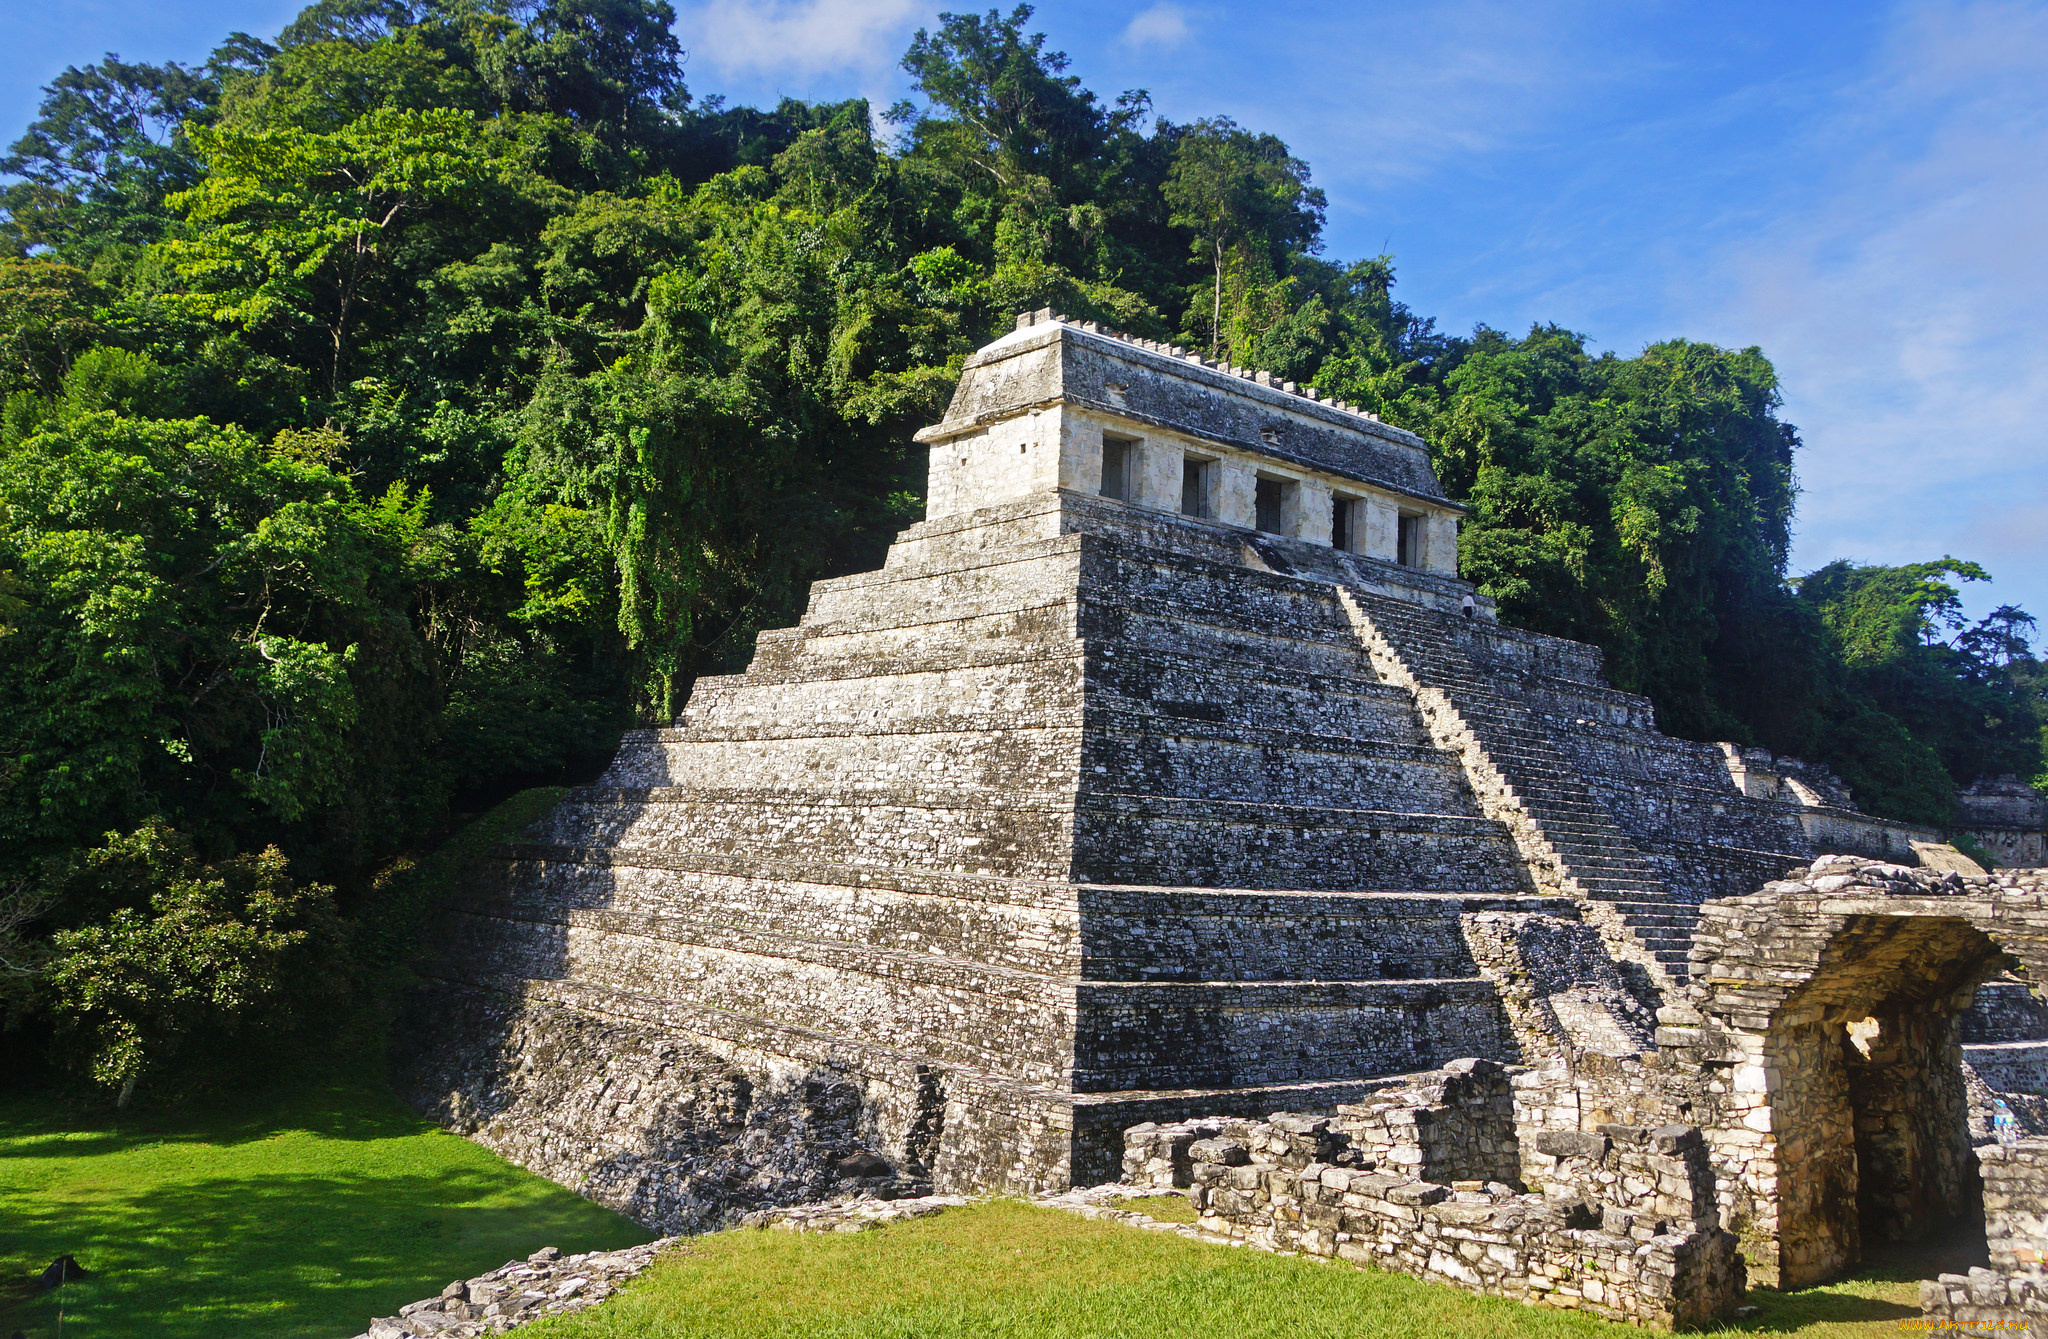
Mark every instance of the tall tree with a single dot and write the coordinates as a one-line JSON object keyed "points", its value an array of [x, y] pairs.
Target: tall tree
{"points": [[1005, 100], [1243, 193], [291, 225], [1962, 688]]}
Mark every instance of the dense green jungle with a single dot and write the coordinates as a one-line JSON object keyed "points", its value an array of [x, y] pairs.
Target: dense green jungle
{"points": [[398, 409]]}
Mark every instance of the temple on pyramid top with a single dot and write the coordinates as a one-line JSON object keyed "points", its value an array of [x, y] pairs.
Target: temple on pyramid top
{"points": [[1059, 404]]}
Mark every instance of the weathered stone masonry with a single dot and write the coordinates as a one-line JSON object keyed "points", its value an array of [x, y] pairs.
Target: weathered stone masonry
{"points": [[1155, 775], [1424, 1178]]}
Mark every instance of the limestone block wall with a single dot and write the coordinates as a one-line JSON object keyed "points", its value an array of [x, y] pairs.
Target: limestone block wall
{"points": [[1166, 1035], [1245, 845], [1586, 1092], [1307, 515], [1382, 529], [1166, 1155], [1016, 839], [1159, 1156], [2005, 1010], [2013, 1293], [2016, 1203], [1190, 934], [1455, 1124], [1622, 1261], [1028, 926], [1007, 459], [1440, 542], [1661, 1172]]}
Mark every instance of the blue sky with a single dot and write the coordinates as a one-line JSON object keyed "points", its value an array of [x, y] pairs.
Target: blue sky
{"points": [[1859, 188]]}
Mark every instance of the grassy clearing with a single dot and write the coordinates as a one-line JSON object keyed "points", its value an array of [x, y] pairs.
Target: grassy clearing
{"points": [[300, 1215], [1165, 1208], [305, 1217], [300, 1212], [1023, 1272]]}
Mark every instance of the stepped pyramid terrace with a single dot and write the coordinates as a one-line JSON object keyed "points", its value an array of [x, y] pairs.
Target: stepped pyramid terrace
{"points": [[1165, 772]]}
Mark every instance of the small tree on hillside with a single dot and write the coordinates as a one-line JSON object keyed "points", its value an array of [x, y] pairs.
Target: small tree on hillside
{"points": [[1240, 192], [221, 956]]}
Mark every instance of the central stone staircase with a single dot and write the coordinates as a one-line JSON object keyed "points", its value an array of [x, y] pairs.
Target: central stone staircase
{"points": [[1571, 842]]}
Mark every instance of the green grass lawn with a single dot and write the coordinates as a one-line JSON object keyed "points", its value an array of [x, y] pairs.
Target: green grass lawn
{"points": [[1023, 1272], [288, 1216], [306, 1215]]}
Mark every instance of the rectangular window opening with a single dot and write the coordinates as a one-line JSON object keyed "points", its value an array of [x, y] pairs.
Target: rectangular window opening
{"points": [[1344, 519], [1410, 551], [1194, 487], [1117, 459], [1266, 505]]}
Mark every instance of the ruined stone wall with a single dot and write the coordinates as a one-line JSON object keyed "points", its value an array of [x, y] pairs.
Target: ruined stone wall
{"points": [[1819, 1046], [1586, 1092], [1455, 1124], [2013, 1292], [1660, 1172], [2016, 1203], [666, 1133], [1445, 1125], [2008, 818], [1625, 1258], [1421, 1176]]}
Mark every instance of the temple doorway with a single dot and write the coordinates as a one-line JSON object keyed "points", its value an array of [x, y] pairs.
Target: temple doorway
{"points": [[1869, 1109]]}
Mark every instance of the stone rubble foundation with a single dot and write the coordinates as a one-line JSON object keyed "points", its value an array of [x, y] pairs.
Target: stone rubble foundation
{"points": [[856, 1215], [519, 1292], [1620, 1221]]}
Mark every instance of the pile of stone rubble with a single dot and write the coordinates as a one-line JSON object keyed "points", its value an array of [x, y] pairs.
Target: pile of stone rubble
{"points": [[546, 1283], [1106, 1203], [855, 1215]]}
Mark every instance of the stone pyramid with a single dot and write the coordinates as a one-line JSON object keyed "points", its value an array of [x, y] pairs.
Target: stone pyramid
{"points": [[1163, 769]]}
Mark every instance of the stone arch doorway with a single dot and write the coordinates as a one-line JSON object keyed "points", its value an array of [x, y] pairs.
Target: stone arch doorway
{"points": [[1868, 1108], [1818, 1048]]}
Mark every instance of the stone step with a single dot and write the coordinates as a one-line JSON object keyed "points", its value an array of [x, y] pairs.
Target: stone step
{"points": [[1520, 743]]}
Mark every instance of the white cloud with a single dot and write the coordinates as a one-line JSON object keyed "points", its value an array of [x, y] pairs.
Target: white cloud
{"points": [[1163, 26], [1901, 298], [797, 38]]}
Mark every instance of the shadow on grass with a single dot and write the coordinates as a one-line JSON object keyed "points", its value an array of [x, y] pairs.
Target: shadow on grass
{"points": [[283, 1254], [353, 1108], [1883, 1290], [1780, 1313], [363, 1211]]}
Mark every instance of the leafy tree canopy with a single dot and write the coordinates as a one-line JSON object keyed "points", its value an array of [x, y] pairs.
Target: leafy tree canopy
{"points": [[392, 412]]}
